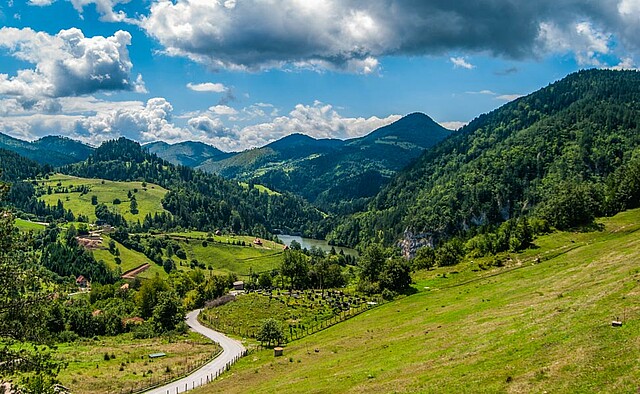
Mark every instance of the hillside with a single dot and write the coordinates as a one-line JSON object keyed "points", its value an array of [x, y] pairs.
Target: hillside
{"points": [[77, 193], [334, 175], [52, 150], [197, 200], [523, 328], [189, 153], [566, 154]]}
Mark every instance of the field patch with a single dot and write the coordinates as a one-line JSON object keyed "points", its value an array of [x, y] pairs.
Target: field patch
{"points": [[76, 194]]}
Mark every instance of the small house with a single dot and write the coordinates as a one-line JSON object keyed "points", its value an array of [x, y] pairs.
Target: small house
{"points": [[218, 233], [258, 242], [82, 282], [238, 285]]}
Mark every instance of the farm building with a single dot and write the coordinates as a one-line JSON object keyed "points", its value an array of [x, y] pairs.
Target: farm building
{"points": [[82, 282]]}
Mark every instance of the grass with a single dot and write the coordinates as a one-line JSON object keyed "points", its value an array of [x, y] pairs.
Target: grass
{"points": [[260, 188], [88, 372], [225, 257], [246, 313], [25, 225], [149, 198], [130, 259], [523, 328]]}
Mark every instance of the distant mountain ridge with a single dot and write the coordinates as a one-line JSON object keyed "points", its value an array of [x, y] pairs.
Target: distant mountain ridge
{"points": [[335, 175], [52, 150], [189, 153]]}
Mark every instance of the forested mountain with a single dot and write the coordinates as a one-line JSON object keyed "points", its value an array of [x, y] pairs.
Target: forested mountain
{"points": [[53, 150], [14, 167], [564, 154], [189, 153], [335, 175], [197, 199], [283, 153]]}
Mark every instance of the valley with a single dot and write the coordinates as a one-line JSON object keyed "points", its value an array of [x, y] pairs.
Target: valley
{"points": [[500, 257]]}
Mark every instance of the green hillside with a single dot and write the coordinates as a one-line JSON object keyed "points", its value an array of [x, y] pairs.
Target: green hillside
{"points": [[70, 191], [526, 327], [566, 154]]}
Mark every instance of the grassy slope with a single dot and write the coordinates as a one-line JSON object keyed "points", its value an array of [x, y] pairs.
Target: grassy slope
{"points": [[544, 327], [25, 225], [226, 258], [149, 198], [130, 259]]}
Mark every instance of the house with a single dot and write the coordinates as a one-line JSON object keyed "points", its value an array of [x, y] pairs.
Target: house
{"points": [[83, 282], [218, 233], [239, 285], [124, 287], [258, 242]]}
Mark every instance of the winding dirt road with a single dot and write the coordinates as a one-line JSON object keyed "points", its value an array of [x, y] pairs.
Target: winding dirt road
{"points": [[231, 351]]}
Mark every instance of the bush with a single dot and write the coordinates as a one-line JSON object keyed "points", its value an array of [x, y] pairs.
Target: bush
{"points": [[116, 201], [67, 336], [144, 331]]}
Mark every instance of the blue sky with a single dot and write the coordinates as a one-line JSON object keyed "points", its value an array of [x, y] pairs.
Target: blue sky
{"points": [[242, 73]]}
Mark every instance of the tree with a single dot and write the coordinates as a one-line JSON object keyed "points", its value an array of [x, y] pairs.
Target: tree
{"points": [[396, 275], [270, 332], [133, 205], [24, 300], [264, 280], [94, 200], [372, 262], [425, 258], [168, 312], [295, 267]]}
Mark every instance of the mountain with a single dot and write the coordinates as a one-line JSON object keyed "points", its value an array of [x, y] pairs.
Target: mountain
{"points": [[196, 199], [562, 155], [333, 174], [52, 150], [285, 151], [189, 153]]}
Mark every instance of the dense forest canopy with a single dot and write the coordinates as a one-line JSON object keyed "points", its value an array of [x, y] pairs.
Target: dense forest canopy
{"points": [[566, 154]]}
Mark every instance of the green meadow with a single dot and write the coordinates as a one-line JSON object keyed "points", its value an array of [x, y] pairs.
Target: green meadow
{"points": [[148, 197], [531, 326]]}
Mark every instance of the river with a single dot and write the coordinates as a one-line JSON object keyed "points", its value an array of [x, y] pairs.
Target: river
{"points": [[319, 243]]}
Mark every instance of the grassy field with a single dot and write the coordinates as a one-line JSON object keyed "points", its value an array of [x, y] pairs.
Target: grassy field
{"points": [[88, 372], [130, 259], [304, 311], [148, 198], [526, 327], [225, 257], [25, 225]]}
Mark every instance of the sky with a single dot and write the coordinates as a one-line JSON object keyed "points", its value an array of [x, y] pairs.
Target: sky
{"points": [[239, 74]]}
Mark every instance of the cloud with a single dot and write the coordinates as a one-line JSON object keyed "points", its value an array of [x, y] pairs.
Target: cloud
{"points": [[319, 120], [207, 87], [453, 125], [461, 62], [94, 120], [497, 96], [508, 97], [67, 64], [353, 35], [41, 3], [104, 7], [223, 110]]}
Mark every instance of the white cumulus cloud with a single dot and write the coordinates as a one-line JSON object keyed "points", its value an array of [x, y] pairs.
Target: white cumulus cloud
{"points": [[207, 87], [67, 64]]}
